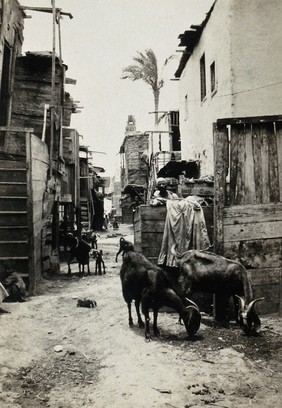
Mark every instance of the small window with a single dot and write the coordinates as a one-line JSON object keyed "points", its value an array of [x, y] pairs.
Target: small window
{"points": [[203, 77], [213, 78]]}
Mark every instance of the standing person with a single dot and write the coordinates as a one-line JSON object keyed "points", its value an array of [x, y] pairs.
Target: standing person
{"points": [[115, 223], [93, 239], [106, 221]]}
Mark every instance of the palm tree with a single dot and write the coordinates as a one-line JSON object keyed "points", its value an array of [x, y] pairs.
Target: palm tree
{"points": [[146, 68]]}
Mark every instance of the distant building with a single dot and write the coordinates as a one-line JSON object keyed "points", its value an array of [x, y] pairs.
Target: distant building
{"points": [[133, 167]]}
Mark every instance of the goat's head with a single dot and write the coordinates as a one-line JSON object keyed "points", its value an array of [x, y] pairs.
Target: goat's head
{"points": [[191, 317], [248, 317]]}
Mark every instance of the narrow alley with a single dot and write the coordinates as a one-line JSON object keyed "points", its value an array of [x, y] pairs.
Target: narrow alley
{"points": [[55, 354]]}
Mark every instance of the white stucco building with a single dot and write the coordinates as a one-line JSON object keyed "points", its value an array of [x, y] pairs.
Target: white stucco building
{"points": [[230, 68]]}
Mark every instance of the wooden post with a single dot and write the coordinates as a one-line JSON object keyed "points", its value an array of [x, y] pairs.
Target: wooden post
{"points": [[59, 34], [280, 296], [53, 83], [221, 159], [220, 171], [31, 257]]}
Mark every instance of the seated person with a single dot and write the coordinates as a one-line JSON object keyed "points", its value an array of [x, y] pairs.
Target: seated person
{"points": [[162, 194]]}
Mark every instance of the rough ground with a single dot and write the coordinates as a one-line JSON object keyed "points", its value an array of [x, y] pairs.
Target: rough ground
{"points": [[103, 363]]}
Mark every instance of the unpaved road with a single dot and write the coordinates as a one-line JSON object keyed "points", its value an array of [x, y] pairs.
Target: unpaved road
{"points": [[104, 363]]}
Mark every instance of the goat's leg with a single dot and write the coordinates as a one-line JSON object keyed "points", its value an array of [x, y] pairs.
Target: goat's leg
{"points": [[100, 269], [155, 323], [88, 269], [69, 259], [145, 311], [236, 309], [130, 320], [221, 306], [140, 321]]}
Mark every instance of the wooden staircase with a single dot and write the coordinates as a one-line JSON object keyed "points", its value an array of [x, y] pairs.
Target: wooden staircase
{"points": [[14, 242], [85, 211]]}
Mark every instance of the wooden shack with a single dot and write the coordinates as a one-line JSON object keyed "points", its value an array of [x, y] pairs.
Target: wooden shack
{"points": [[32, 151]]}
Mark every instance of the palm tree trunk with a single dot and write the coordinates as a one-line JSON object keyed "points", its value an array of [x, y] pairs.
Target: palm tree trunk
{"points": [[156, 101]]}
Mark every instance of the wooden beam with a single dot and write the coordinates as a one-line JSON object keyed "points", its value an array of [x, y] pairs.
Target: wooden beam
{"points": [[249, 119], [46, 10], [16, 129], [70, 81]]}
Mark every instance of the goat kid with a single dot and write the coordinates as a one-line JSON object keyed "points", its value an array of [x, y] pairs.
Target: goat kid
{"points": [[99, 263], [202, 271], [147, 284]]}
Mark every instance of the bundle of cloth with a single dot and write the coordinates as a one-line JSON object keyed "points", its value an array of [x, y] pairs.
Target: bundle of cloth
{"points": [[185, 226]]}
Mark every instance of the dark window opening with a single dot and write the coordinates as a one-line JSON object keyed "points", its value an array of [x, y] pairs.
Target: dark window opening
{"points": [[213, 77], [203, 77], [174, 128]]}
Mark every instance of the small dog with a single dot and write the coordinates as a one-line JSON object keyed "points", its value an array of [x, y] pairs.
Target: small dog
{"points": [[86, 303]]}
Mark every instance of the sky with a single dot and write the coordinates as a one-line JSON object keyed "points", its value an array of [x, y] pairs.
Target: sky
{"points": [[100, 40]]}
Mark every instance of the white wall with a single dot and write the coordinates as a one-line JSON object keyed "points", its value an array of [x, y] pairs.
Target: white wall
{"points": [[244, 40], [256, 57]]}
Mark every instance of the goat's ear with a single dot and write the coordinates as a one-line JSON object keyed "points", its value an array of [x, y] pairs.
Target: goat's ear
{"points": [[252, 304], [241, 302]]}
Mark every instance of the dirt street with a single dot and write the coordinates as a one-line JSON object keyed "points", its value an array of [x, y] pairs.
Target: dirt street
{"points": [[55, 354]]}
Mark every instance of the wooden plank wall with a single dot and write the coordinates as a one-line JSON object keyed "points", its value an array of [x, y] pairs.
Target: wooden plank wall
{"points": [[255, 158], [148, 230], [39, 171], [252, 235], [251, 222]]}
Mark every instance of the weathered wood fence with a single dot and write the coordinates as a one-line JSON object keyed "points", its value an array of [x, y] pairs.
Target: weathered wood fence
{"points": [[248, 201]]}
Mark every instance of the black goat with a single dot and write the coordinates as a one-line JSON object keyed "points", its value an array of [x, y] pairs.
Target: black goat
{"points": [[78, 249], [147, 284], [202, 271], [124, 246]]}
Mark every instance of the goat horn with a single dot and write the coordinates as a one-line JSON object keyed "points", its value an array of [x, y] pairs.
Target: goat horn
{"points": [[251, 305], [193, 303], [242, 302]]}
